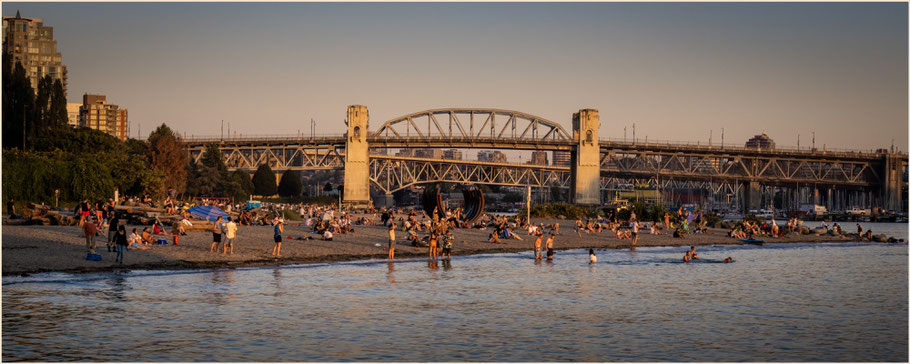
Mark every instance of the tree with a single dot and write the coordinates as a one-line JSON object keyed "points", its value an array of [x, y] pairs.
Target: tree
{"points": [[327, 187], [42, 106], [57, 115], [264, 181], [169, 156], [212, 157], [19, 105], [289, 186], [246, 183]]}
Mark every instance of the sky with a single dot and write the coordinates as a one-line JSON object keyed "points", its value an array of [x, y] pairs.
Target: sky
{"points": [[678, 71]]}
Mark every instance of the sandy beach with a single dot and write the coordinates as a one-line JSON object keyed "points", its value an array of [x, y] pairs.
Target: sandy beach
{"points": [[33, 249]]}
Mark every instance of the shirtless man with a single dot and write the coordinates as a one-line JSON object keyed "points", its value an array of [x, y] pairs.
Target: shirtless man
{"points": [[634, 233], [392, 241], [538, 253], [550, 247]]}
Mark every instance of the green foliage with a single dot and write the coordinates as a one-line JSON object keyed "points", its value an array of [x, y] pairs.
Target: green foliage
{"points": [[246, 183], [513, 197], [90, 179], [18, 105], [264, 181], [31, 177], [168, 155], [289, 186], [554, 210]]}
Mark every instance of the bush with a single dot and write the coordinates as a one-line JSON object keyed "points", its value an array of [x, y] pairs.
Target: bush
{"points": [[554, 210]]}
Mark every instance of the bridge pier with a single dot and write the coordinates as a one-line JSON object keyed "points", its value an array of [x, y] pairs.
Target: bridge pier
{"points": [[752, 197], [893, 180], [586, 159], [357, 158]]}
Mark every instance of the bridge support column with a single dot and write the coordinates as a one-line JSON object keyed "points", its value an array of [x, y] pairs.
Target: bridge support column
{"points": [[357, 158], [386, 200], [752, 197], [891, 188], [586, 158]]}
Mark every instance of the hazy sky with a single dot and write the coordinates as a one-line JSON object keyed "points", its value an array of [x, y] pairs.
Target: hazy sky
{"points": [[675, 70]]}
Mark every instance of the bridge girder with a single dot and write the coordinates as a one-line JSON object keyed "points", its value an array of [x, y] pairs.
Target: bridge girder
{"points": [[466, 124]]}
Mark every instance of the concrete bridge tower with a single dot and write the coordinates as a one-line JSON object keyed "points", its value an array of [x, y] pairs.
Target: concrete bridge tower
{"points": [[357, 157], [586, 159]]}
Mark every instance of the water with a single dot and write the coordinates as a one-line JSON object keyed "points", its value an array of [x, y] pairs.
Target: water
{"points": [[795, 302]]}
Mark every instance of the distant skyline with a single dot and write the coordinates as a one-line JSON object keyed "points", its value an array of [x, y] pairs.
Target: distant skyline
{"points": [[678, 71]]}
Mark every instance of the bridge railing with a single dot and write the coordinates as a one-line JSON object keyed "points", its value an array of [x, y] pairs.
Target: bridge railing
{"points": [[283, 138], [715, 147]]}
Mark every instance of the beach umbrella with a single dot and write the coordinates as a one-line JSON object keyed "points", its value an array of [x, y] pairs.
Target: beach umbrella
{"points": [[210, 213]]}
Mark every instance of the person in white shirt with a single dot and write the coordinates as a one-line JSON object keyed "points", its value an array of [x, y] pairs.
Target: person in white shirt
{"points": [[327, 235], [230, 233]]}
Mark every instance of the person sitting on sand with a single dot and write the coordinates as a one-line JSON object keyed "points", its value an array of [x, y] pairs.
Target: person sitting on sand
{"points": [[494, 239], [623, 234], [146, 237], [327, 235], [655, 230], [678, 234]]}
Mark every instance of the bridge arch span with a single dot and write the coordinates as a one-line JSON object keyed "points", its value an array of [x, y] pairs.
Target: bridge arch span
{"points": [[473, 123]]}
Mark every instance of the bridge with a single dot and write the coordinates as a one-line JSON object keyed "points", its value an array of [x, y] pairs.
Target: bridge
{"points": [[836, 177]]}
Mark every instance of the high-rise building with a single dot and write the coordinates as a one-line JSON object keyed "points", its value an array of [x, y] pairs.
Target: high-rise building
{"points": [[539, 157], [97, 114], [494, 156], [428, 153], [561, 158], [762, 141], [453, 154], [32, 43], [72, 113]]}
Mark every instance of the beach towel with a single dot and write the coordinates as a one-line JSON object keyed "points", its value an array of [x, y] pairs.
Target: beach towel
{"points": [[210, 213]]}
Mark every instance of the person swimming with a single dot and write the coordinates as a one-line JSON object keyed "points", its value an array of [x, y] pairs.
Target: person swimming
{"points": [[728, 260], [687, 258], [592, 256]]}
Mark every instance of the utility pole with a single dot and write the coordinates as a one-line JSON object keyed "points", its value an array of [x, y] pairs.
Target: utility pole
{"points": [[721, 137], [710, 135], [813, 140], [633, 133], [222, 129], [624, 133], [529, 204]]}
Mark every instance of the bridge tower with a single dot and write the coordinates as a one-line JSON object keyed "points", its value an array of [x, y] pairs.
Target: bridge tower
{"points": [[357, 157], [892, 183], [586, 159]]}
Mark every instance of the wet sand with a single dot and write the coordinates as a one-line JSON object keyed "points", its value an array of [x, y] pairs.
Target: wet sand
{"points": [[33, 249]]}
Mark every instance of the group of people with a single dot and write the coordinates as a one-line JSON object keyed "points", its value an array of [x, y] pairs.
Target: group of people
{"points": [[438, 234]]}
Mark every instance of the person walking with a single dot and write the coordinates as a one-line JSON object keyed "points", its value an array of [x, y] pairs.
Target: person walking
{"points": [[230, 233], [120, 240], [279, 228], [90, 230]]}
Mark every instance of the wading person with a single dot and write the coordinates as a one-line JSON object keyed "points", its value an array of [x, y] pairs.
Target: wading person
{"points": [[634, 233], [112, 232], [550, 247], [230, 233], [591, 257], [216, 234], [538, 253], [447, 244], [434, 240], [279, 228]]}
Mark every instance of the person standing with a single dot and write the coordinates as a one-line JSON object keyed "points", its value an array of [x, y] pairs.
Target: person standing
{"points": [[550, 245], [859, 230], [434, 239], [538, 252], [279, 228], [11, 209], [667, 220], [90, 230], [84, 211], [217, 230], [591, 257], [634, 226], [447, 244], [112, 232], [230, 233], [120, 239], [391, 241]]}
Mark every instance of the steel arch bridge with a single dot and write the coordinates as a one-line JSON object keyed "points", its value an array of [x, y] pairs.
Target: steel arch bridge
{"points": [[657, 164]]}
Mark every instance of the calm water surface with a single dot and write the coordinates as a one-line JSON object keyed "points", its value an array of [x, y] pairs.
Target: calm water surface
{"points": [[796, 302]]}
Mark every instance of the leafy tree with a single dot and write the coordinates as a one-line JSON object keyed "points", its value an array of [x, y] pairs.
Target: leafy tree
{"points": [[168, 156], [57, 115], [90, 179], [19, 105], [42, 106], [513, 197], [264, 181], [212, 157], [289, 186], [246, 183]]}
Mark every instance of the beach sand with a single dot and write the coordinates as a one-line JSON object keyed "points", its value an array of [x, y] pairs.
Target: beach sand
{"points": [[32, 249]]}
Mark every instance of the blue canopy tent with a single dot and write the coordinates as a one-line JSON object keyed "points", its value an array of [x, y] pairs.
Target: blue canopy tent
{"points": [[209, 213]]}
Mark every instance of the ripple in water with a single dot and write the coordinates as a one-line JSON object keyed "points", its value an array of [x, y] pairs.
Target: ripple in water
{"points": [[802, 302]]}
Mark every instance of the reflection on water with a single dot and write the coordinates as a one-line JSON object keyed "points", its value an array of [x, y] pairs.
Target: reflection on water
{"points": [[795, 302]]}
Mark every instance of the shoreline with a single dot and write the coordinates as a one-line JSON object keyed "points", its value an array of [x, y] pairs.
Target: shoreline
{"points": [[41, 249]]}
